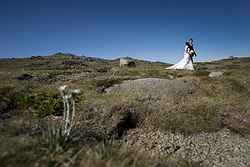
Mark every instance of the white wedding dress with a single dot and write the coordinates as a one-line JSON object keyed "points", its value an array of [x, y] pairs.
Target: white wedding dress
{"points": [[185, 63]]}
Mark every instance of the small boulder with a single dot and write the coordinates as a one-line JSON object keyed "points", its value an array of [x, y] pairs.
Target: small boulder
{"points": [[171, 76], [126, 62], [215, 74]]}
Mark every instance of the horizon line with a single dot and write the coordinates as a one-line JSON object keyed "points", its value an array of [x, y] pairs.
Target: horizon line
{"points": [[135, 57]]}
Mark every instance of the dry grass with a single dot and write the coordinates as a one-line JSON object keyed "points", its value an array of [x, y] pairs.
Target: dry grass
{"points": [[21, 136]]}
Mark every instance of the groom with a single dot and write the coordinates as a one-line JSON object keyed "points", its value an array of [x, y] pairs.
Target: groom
{"points": [[192, 53]]}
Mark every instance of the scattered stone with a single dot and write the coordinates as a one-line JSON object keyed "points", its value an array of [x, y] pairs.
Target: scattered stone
{"points": [[236, 122], [220, 149], [216, 74]]}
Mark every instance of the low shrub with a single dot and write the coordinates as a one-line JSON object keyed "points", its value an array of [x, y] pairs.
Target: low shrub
{"points": [[43, 103]]}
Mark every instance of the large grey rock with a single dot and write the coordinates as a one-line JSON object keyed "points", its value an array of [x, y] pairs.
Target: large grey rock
{"points": [[156, 88]]}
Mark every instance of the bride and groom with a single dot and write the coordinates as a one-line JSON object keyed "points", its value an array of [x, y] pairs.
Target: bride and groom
{"points": [[186, 63]]}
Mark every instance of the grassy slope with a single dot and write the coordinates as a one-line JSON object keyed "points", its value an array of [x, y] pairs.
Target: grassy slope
{"points": [[25, 103]]}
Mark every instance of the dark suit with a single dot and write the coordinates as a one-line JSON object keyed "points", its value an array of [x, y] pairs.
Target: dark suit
{"points": [[191, 48]]}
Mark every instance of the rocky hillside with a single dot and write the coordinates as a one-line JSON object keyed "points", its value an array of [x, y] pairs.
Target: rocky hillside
{"points": [[130, 116]]}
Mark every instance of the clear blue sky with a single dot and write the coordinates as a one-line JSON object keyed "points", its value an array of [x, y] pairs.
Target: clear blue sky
{"points": [[152, 30]]}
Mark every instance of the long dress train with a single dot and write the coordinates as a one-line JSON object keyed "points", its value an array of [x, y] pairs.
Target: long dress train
{"points": [[185, 63]]}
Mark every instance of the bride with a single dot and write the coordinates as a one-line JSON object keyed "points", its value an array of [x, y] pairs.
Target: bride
{"points": [[187, 61]]}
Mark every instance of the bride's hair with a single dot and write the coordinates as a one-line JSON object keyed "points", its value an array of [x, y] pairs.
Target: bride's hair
{"points": [[187, 42]]}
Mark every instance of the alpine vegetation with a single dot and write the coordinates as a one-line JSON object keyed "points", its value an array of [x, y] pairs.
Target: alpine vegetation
{"points": [[141, 116]]}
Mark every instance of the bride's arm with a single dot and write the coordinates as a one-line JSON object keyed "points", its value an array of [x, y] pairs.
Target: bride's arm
{"points": [[187, 49]]}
